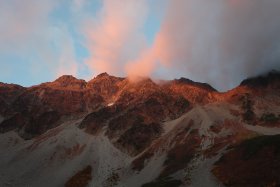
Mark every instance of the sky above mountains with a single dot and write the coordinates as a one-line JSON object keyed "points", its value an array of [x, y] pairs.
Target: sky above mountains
{"points": [[218, 42]]}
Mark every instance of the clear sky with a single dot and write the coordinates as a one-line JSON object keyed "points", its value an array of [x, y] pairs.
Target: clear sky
{"points": [[219, 42]]}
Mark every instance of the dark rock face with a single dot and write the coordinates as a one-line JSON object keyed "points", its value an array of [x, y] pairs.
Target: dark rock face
{"points": [[255, 162], [8, 94], [122, 123], [138, 137], [271, 79], [42, 123], [95, 121], [205, 86], [30, 125], [14, 122], [4, 107]]}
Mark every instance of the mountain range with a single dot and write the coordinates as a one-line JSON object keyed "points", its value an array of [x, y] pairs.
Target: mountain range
{"points": [[110, 131]]}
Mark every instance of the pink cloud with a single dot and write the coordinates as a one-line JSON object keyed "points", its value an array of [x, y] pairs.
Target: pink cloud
{"points": [[115, 37]]}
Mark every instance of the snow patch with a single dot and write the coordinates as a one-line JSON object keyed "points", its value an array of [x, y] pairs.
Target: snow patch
{"points": [[169, 125], [201, 174], [53, 159], [263, 130], [148, 174]]}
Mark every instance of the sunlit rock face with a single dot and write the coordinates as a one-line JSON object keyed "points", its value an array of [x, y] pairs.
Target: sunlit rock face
{"points": [[110, 131]]}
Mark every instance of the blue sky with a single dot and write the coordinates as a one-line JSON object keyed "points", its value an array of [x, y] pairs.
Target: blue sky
{"points": [[24, 62]]}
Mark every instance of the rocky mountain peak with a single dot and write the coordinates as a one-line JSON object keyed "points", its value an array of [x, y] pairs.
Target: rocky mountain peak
{"points": [[66, 78], [144, 82], [69, 81], [104, 74], [272, 79], [105, 85], [205, 86], [9, 92], [104, 78]]}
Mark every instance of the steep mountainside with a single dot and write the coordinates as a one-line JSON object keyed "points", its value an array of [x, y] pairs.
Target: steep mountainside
{"points": [[113, 132]]}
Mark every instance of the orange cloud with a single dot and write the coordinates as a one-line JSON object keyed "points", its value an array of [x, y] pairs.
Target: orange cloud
{"points": [[115, 36]]}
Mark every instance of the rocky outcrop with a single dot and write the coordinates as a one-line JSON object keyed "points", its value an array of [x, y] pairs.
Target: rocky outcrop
{"points": [[81, 178], [194, 92], [270, 79], [8, 94], [67, 82], [254, 162], [106, 86]]}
